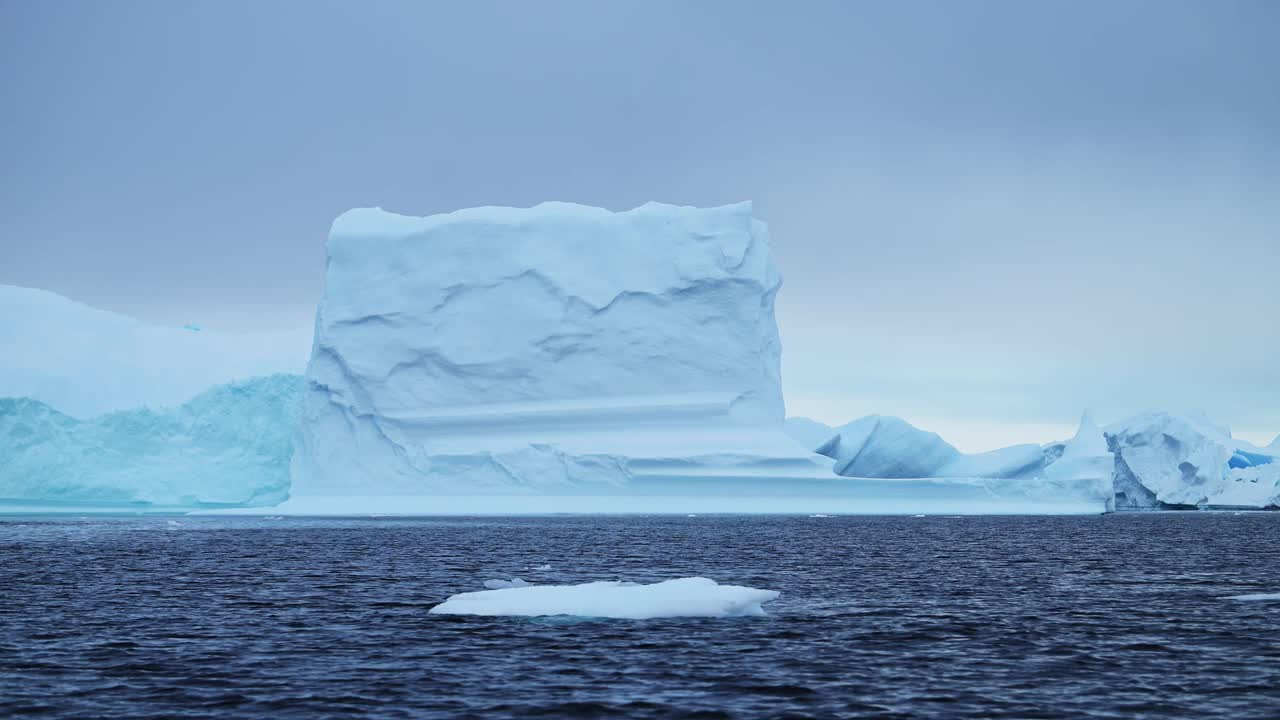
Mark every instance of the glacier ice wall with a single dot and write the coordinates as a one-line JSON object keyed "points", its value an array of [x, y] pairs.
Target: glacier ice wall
{"points": [[549, 349], [229, 446], [85, 361]]}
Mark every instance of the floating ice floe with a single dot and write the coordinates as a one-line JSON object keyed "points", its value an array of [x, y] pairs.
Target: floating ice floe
{"points": [[685, 597], [1254, 597]]}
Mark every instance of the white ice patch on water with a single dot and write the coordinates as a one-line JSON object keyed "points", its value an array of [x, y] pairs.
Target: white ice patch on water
{"points": [[505, 584], [685, 597], [1254, 597]]}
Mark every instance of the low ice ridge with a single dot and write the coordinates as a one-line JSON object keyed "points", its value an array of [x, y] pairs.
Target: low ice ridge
{"points": [[684, 597]]}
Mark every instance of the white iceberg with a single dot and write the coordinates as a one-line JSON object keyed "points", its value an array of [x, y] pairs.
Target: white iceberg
{"points": [[558, 349], [85, 362], [227, 447], [1171, 461], [686, 597]]}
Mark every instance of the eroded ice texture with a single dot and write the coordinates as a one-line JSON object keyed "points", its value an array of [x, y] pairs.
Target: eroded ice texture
{"points": [[686, 597], [1164, 460], [83, 361], [228, 446], [559, 348]]}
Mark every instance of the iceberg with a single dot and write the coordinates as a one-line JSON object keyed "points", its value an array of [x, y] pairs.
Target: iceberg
{"points": [[228, 447], [85, 362], [1171, 461], [557, 349], [881, 446], [685, 597]]}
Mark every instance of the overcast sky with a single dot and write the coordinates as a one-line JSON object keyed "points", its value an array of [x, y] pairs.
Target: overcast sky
{"points": [[990, 215]]}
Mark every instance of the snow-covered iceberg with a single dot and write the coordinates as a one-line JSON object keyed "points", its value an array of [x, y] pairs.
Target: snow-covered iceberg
{"points": [[227, 447], [84, 361], [685, 597], [557, 349], [881, 446], [1172, 461]]}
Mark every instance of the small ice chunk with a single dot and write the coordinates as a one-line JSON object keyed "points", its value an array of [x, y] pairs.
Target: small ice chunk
{"points": [[505, 584], [685, 597], [541, 568], [1254, 597], [819, 515]]}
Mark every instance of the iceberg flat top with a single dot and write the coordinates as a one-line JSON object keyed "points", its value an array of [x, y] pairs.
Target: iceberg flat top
{"points": [[685, 597]]}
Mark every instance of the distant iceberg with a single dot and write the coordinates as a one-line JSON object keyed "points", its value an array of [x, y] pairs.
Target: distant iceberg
{"points": [[686, 597], [1172, 461], [881, 446], [227, 447], [84, 361]]}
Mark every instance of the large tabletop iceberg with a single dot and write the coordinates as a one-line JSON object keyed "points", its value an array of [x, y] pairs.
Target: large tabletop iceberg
{"points": [[555, 349]]}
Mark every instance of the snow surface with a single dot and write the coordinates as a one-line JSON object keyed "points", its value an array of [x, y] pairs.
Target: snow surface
{"points": [[84, 362], [558, 348], [811, 434], [228, 446], [1164, 460], [685, 597], [882, 446]]}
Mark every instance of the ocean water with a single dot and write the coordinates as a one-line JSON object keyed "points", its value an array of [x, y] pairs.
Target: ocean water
{"points": [[1117, 616]]}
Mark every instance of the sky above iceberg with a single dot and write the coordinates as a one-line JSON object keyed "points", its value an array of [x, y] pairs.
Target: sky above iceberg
{"points": [[989, 215]]}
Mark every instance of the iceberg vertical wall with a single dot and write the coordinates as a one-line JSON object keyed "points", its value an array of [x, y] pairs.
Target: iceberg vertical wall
{"points": [[555, 349]]}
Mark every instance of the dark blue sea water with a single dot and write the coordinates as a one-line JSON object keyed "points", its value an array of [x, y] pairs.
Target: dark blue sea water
{"points": [[1118, 616]]}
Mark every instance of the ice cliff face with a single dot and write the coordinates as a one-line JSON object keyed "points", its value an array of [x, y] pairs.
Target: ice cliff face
{"points": [[85, 361], [499, 350], [1164, 461], [880, 446], [228, 446]]}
